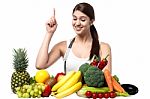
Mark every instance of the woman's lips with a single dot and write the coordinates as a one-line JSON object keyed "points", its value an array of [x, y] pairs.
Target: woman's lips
{"points": [[78, 28]]}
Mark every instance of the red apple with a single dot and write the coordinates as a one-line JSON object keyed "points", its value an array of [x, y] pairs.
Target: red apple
{"points": [[47, 91]]}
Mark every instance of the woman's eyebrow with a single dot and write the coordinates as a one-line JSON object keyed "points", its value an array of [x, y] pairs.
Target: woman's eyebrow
{"points": [[80, 16], [73, 15]]}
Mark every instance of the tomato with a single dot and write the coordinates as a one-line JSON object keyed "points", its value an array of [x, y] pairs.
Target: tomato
{"points": [[112, 94], [100, 95], [94, 95], [88, 94], [106, 95]]}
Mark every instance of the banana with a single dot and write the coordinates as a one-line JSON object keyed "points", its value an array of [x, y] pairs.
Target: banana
{"points": [[69, 91], [63, 80], [80, 79], [73, 80]]}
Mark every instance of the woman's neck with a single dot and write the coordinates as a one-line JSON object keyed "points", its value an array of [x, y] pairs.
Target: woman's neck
{"points": [[84, 38]]}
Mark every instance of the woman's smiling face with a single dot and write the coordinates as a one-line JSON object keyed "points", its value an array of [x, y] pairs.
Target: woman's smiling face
{"points": [[81, 23]]}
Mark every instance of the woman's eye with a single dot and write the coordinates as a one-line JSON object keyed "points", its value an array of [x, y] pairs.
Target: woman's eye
{"points": [[82, 20], [74, 19]]}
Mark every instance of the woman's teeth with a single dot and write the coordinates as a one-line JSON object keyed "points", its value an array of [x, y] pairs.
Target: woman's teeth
{"points": [[78, 28]]}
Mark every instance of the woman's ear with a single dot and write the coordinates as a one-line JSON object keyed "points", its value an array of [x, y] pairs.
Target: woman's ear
{"points": [[92, 21]]}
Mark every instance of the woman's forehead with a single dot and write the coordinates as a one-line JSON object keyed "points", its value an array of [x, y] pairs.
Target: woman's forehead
{"points": [[78, 13]]}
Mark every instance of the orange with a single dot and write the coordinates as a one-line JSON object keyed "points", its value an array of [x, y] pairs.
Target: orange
{"points": [[41, 76]]}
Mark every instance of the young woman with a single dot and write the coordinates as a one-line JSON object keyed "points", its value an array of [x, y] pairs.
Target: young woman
{"points": [[78, 50]]}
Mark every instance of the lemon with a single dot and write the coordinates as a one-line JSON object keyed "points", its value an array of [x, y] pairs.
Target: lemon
{"points": [[41, 76]]}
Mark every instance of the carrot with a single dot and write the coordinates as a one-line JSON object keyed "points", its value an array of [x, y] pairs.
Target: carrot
{"points": [[108, 78], [117, 86]]}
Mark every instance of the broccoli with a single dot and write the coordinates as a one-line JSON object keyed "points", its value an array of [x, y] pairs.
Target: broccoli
{"points": [[84, 67], [94, 77]]}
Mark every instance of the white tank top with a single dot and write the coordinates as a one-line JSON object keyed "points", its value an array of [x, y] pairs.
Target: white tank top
{"points": [[73, 62]]}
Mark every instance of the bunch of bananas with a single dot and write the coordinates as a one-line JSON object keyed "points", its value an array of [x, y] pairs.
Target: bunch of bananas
{"points": [[69, 84]]}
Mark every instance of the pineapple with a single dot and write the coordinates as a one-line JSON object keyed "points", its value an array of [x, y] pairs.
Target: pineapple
{"points": [[20, 62]]}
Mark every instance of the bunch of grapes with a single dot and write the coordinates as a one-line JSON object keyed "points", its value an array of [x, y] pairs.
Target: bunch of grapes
{"points": [[30, 91]]}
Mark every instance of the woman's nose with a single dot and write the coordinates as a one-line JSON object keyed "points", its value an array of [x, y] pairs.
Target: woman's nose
{"points": [[78, 22]]}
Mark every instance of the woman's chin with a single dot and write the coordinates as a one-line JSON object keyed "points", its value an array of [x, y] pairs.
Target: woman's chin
{"points": [[78, 32]]}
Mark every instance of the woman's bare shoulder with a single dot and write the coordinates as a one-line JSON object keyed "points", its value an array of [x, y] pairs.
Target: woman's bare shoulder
{"points": [[105, 49], [104, 45], [61, 44]]}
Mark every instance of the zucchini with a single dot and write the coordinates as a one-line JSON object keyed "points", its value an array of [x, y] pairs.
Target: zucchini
{"points": [[84, 89]]}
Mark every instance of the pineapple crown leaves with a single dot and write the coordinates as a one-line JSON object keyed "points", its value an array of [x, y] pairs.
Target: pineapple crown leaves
{"points": [[20, 60]]}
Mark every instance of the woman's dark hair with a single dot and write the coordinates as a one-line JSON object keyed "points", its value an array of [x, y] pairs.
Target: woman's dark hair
{"points": [[89, 11]]}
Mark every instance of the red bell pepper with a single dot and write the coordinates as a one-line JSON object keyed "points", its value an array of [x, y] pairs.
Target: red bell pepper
{"points": [[57, 77]]}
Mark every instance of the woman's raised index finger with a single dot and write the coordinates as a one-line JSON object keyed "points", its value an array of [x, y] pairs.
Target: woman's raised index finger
{"points": [[54, 12]]}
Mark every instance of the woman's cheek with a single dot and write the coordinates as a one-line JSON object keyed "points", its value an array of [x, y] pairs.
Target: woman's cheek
{"points": [[73, 23]]}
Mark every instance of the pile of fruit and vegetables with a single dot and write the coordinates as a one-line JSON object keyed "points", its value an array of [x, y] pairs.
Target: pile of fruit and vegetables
{"points": [[88, 82]]}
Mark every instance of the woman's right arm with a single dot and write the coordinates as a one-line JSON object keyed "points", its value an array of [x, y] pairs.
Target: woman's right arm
{"points": [[42, 56], [42, 60]]}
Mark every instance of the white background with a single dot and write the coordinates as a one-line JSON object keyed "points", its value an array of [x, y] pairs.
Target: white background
{"points": [[124, 24]]}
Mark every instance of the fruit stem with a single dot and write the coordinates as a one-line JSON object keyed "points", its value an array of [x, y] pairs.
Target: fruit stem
{"points": [[106, 56], [93, 58]]}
